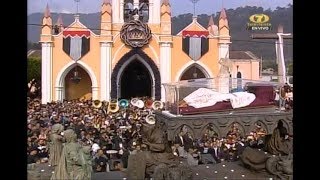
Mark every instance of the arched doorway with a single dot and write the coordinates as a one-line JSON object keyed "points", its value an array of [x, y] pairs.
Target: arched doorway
{"points": [[135, 81], [134, 65], [78, 89], [193, 72]]}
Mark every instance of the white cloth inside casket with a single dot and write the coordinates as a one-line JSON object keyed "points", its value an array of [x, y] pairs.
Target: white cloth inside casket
{"points": [[204, 97]]}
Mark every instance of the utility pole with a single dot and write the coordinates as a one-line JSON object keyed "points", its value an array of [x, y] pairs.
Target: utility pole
{"points": [[279, 36]]}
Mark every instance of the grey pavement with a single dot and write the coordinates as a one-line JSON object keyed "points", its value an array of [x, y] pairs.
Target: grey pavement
{"points": [[224, 170]]}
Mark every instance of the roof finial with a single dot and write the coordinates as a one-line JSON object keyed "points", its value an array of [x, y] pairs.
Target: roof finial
{"points": [[47, 11], [194, 7], [223, 14], [165, 2], [106, 1], [210, 21], [77, 1], [59, 21]]}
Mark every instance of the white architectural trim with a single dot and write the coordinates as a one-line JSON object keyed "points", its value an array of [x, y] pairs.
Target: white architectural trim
{"points": [[46, 72], [115, 11], [204, 68], [151, 15], [124, 66], [155, 55], [223, 50], [156, 11], [121, 11], [117, 52], [76, 21], [105, 69], [59, 83], [165, 66], [194, 21]]}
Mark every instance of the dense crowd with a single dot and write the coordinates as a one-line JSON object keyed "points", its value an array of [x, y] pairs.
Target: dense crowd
{"points": [[112, 130]]}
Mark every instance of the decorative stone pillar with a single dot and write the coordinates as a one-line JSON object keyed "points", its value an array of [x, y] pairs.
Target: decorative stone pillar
{"points": [[95, 91], [46, 73], [105, 76], [165, 65], [121, 11], [59, 93]]}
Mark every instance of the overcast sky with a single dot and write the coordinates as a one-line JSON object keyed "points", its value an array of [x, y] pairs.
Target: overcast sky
{"points": [[178, 6]]}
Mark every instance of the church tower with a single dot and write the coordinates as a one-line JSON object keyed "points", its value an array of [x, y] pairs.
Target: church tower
{"points": [[224, 35], [46, 43]]}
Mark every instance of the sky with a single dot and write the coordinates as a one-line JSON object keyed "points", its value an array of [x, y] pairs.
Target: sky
{"points": [[177, 6]]}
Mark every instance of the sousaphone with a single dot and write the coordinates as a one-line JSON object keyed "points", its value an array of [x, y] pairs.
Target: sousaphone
{"points": [[124, 103], [97, 104], [157, 105], [113, 106], [148, 103], [151, 119], [134, 101]]}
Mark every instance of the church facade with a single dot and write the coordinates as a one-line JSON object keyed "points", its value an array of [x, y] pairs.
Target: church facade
{"points": [[134, 53]]}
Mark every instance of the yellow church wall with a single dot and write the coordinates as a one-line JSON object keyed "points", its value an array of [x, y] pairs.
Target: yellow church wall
{"points": [[249, 69], [80, 90], [61, 59], [180, 58], [119, 50]]}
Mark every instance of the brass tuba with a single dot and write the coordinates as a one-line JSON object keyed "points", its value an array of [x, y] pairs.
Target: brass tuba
{"points": [[97, 104], [157, 105], [151, 119], [113, 106]]}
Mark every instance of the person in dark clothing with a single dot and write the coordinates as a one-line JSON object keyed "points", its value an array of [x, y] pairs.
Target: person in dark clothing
{"points": [[125, 157], [33, 156], [100, 162]]}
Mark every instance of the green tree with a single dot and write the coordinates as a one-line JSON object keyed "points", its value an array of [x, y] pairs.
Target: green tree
{"points": [[34, 69]]}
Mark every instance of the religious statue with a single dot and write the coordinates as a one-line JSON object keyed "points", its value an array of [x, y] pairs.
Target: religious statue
{"points": [[279, 166], [55, 145], [279, 143], [74, 163], [158, 161]]}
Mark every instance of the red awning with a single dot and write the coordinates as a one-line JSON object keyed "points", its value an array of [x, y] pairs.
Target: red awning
{"points": [[76, 33], [195, 34]]}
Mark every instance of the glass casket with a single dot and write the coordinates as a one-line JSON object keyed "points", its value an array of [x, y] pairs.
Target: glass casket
{"points": [[218, 94]]}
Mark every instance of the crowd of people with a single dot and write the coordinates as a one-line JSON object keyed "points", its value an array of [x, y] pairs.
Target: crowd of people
{"points": [[112, 130]]}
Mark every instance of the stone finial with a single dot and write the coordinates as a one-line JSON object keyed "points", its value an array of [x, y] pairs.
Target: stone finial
{"points": [[47, 12], [223, 14], [165, 2], [210, 21]]}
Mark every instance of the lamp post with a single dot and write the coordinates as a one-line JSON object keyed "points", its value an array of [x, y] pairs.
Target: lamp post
{"points": [[76, 78]]}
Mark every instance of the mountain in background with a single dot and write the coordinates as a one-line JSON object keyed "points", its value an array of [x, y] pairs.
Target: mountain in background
{"points": [[237, 18]]}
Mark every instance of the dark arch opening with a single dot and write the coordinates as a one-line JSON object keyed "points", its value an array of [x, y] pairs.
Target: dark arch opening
{"points": [[135, 81], [148, 60], [192, 72]]}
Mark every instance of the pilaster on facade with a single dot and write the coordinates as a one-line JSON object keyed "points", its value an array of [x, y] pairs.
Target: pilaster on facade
{"points": [[121, 11], [115, 11], [95, 91], [223, 50], [165, 65], [46, 72], [59, 95], [105, 64]]}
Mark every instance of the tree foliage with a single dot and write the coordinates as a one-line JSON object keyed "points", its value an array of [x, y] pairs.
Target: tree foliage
{"points": [[34, 69]]}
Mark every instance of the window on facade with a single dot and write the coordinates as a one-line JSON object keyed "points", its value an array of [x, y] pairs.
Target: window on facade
{"points": [[128, 9], [192, 72], [144, 11]]}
